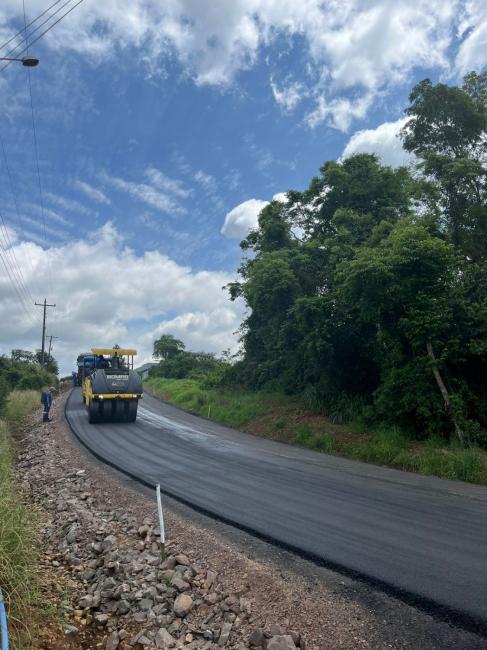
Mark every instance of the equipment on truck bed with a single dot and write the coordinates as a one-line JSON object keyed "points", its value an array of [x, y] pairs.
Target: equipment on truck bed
{"points": [[111, 387]]}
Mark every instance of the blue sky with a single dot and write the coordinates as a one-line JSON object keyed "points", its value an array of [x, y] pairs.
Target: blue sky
{"points": [[159, 122]]}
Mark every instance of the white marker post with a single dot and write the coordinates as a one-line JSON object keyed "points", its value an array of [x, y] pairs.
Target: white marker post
{"points": [[161, 521]]}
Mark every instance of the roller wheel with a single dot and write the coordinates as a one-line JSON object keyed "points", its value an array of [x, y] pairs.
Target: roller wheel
{"points": [[131, 410], [93, 413]]}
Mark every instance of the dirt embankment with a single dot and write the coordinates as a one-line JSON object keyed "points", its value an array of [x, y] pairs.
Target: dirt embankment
{"points": [[103, 571]]}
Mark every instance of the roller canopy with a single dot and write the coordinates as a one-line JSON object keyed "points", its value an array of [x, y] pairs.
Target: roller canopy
{"points": [[114, 352]]}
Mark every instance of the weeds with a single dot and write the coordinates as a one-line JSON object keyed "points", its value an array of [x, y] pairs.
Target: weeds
{"points": [[18, 560], [19, 404]]}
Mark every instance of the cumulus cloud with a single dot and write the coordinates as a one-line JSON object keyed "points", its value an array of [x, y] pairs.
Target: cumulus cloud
{"points": [[242, 218], [383, 141], [106, 293], [212, 330], [339, 111], [281, 197], [348, 45]]}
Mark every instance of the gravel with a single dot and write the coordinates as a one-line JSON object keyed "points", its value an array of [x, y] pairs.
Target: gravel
{"points": [[198, 592]]}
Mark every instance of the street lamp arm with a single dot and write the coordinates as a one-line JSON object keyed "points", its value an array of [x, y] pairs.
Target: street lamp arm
{"points": [[28, 61]]}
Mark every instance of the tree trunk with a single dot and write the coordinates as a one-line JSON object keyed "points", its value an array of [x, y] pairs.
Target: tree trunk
{"points": [[444, 392]]}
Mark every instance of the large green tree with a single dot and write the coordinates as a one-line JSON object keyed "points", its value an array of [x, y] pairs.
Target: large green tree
{"points": [[367, 291], [447, 131], [167, 346]]}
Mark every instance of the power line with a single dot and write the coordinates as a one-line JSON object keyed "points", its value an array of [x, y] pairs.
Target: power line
{"points": [[36, 151], [14, 266], [12, 52], [31, 23], [43, 33], [6, 235], [13, 280]]}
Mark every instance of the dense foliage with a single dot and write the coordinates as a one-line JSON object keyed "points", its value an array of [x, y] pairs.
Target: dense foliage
{"points": [[367, 292], [23, 371], [177, 363]]}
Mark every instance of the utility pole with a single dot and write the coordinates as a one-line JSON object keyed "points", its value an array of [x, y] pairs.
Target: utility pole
{"points": [[50, 337], [45, 306]]}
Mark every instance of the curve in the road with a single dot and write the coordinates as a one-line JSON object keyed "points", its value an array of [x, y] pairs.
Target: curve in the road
{"points": [[420, 537]]}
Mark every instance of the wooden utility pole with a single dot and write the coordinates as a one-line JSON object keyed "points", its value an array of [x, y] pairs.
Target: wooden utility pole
{"points": [[50, 337], [45, 305]]}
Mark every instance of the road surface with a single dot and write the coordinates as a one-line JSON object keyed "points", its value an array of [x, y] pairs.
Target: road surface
{"points": [[422, 536]]}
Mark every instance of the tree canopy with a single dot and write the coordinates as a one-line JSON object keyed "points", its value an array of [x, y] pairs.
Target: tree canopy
{"points": [[367, 291]]}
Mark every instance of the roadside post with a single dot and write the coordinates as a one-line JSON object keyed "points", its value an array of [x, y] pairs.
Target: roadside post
{"points": [[161, 521]]}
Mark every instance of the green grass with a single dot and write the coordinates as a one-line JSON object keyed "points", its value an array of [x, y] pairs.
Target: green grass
{"points": [[18, 559], [228, 408], [279, 417], [19, 404]]}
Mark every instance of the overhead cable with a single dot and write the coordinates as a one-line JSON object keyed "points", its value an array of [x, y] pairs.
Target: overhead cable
{"points": [[31, 23], [36, 152], [6, 233], [43, 33], [12, 52]]}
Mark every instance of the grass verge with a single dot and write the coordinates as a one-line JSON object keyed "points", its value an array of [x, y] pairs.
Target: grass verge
{"points": [[18, 559], [285, 418]]}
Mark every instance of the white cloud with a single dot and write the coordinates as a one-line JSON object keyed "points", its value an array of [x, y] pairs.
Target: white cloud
{"points": [[242, 218], [288, 97], [169, 185], [472, 53], [213, 330], [49, 215], [102, 288], [349, 45], [383, 141], [70, 205], [150, 194], [339, 111], [281, 197], [207, 181], [92, 192]]}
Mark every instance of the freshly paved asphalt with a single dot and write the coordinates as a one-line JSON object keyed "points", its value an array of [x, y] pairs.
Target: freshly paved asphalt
{"points": [[419, 535]]}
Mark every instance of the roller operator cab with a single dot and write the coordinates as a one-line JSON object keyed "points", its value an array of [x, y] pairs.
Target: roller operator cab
{"points": [[111, 387]]}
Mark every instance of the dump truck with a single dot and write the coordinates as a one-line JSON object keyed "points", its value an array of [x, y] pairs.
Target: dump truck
{"points": [[111, 388]]}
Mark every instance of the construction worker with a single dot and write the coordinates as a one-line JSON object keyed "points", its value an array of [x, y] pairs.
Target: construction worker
{"points": [[46, 401]]}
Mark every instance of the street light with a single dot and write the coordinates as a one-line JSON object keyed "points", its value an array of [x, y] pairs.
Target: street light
{"points": [[28, 61]]}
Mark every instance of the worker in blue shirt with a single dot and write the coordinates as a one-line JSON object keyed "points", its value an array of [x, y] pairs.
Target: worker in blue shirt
{"points": [[46, 401]]}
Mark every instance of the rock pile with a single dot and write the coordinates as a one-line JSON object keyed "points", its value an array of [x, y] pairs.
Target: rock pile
{"points": [[125, 587]]}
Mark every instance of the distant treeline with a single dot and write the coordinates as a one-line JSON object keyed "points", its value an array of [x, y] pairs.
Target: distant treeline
{"points": [[367, 292]]}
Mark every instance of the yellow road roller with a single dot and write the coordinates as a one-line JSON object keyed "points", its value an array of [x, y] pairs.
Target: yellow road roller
{"points": [[111, 387]]}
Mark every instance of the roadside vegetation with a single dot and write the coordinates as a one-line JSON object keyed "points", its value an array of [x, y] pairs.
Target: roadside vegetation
{"points": [[366, 299], [284, 418], [20, 382]]}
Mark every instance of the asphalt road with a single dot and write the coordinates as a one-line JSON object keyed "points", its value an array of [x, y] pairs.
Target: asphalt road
{"points": [[419, 535]]}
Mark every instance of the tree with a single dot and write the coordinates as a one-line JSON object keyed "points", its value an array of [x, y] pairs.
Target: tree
{"points": [[447, 132], [167, 346], [23, 355], [50, 363]]}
